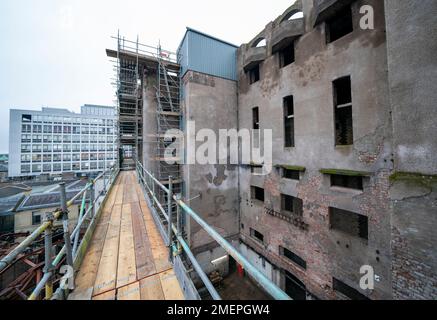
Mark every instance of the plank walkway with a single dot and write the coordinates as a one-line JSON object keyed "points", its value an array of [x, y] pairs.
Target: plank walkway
{"points": [[127, 258]]}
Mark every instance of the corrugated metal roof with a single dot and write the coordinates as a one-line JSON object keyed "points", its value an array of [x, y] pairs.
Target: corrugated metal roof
{"points": [[206, 54]]}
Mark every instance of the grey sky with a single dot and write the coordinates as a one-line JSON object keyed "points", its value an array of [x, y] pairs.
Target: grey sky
{"points": [[53, 51]]}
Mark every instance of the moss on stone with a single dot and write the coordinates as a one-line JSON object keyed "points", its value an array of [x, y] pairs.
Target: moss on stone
{"points": [[351, 173], [414, 177]]}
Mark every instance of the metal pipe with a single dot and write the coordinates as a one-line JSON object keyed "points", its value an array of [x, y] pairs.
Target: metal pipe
{"points": [[199, 269], [93, 199], [67, 239], [266, 283], [76, 236], [170, 216], [48, 245], [36, 292], [9, 258]]}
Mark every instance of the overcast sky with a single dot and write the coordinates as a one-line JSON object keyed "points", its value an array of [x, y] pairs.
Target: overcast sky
{"points": [[53, 51]]}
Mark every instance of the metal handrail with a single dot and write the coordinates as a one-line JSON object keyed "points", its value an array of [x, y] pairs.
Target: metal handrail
{"points": [[47, 225], [173, 230]]}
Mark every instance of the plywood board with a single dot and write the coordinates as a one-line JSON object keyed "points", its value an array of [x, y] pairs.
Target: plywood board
{"points": [[127, 271], [107, 272]]}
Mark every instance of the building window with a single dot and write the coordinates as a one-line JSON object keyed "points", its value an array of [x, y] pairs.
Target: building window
{"points": [[350, 182], [291, 205], [286, 55], [36, 218], [25, 168], [257, 235], [26, 128], [349, 222], [257, 193], [254, 74], [290, 174], [255, 118], [340, 25], [289, 122], [343, 112], [26, 118], [347, 291], [293, 257]]}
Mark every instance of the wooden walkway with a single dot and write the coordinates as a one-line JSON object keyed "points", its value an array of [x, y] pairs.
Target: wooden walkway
{"points": [[127, 258]]}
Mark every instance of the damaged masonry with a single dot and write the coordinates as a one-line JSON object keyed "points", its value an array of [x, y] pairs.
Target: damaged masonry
{"points": [[298, 165], [348, 187]]}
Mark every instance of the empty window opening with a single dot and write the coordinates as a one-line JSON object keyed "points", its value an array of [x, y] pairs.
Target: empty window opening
{"points": [[291, 174], [26, 118], [291, 205], [340, 25], [293, 257], [288, 122], [36, 218], [349, 222], [254, 74], [350, 182], [257, 193], [343, 112], [256, 170], [293, 15], [294, 287], [347, 291], [255, 118], [259, 43], [257, 235], [286, 55]]}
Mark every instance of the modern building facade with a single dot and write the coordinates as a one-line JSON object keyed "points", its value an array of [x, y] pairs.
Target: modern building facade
{"points": [[354, 179], [55, 141]]}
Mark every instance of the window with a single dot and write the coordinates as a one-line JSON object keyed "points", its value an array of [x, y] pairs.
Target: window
{"points": [[26, 128], [26, 118], [257, 235], [290, 174], [295, 288], [37, 128], [340, 25], [257, 193], [254, 74], [25, 158], [286, 55], [347, 291], [350, 182], [349, 222], [343, 112], [36, 218], [293, 257], [255, 118], [291, 205], [48, 129], [288, 122]]}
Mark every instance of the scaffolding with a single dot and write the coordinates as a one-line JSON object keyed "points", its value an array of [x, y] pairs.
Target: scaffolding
{"points": [[133, 63], [129, 102]]}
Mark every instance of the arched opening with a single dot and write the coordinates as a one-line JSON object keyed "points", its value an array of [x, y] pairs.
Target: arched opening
{"points": [[293, 15], [261, 42]]}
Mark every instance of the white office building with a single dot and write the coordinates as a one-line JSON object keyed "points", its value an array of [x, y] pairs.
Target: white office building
{"points": [[54, 141]]}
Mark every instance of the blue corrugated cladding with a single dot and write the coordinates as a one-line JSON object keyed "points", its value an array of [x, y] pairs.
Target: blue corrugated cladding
{"points": [[201, 53]]}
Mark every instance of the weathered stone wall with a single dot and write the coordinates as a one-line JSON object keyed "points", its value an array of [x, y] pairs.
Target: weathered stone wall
{"points": [[211, 190], [328, 253]]}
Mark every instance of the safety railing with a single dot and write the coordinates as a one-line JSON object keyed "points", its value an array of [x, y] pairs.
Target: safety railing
{"points": [[176, 242], [74, 247]]}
